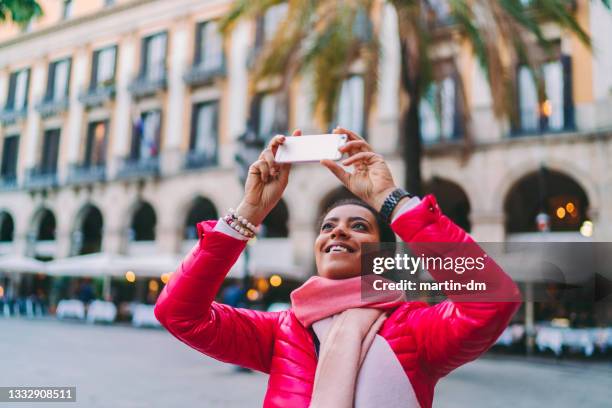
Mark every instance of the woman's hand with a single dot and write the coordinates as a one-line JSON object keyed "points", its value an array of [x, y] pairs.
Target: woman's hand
{"points": [[265, 183], [371, 179]]}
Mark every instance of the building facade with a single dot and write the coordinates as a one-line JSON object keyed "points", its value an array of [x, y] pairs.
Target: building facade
{"points": [[120, 124]]}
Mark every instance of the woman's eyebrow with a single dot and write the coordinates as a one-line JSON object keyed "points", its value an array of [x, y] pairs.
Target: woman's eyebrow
{"points": [[359, 219]]}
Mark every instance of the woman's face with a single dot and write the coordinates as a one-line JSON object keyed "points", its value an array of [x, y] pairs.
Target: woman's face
{"points": [[338, 246]]}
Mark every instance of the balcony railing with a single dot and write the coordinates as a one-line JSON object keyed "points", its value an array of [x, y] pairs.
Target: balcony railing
{"points": [[199, 74], [147, 84], [8, 182], [52, 107], [97, 95], [37, 178], [138, 168], [198, 160], [86, 173], [9, 115]]}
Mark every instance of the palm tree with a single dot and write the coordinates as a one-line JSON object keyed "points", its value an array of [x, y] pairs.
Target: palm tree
{"points": [[19, 11], [324, 39]]}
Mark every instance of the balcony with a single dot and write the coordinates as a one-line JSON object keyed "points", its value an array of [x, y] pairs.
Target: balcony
{"points": [[8, 182], [52, 107], [138, 168], [39, 178], [97, 95], [198, 160], [199, 74], [148, 83], [86, 173], [9, 115]]}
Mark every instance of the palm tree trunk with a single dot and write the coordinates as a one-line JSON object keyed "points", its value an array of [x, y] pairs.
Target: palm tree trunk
{"points": [[410, 126]]}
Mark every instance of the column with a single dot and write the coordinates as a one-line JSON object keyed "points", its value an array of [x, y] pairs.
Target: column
{"points": [[173, 132], [121, 130], [73, 133]]}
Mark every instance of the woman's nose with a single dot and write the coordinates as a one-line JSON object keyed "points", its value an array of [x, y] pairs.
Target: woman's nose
{"points": [[338, 231]]}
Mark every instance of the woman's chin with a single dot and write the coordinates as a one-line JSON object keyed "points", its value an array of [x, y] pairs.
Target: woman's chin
{"points": [[340, 270]]}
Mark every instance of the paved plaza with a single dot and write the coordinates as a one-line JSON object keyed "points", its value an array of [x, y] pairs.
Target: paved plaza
{"points": [[120, 367]]}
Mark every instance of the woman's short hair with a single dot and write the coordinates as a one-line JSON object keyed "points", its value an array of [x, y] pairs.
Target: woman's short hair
{"points": [[385, 231]]}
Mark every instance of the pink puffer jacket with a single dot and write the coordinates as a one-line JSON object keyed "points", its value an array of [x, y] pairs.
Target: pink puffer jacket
{"points": [[429, 341]]}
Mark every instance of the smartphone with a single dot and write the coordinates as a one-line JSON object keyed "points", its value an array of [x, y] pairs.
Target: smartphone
{"points": [[310, 148]]}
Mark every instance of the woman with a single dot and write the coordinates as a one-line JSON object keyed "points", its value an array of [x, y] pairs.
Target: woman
{"points": [[333, 348]]}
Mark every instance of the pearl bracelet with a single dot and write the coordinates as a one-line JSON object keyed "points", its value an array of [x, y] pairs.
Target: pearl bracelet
{"points": [[240, 224]]}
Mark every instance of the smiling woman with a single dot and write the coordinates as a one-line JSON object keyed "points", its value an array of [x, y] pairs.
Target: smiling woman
{"points": [[333, 348]]}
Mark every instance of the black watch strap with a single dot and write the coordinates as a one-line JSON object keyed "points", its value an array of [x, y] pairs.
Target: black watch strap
{"points": [[391, 202]]}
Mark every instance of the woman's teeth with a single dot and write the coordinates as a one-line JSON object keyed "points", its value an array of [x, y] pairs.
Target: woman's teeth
{"points": [[338, 248]]}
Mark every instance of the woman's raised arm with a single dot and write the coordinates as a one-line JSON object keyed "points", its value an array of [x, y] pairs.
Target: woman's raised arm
{"points": [[452, 333], [186, 307]]}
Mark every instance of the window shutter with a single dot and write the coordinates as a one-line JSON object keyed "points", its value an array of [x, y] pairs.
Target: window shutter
{"points": [[50, 81], [458, 117], [29, 76], [94, 70], [568, 94], [198, 44], [10, 99]]}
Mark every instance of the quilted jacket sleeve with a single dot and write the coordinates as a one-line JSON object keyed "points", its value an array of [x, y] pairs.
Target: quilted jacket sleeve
{"points": [[453, 332], [187, 310]]}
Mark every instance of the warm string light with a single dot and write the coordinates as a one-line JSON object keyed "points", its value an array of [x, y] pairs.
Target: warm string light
{"points": [[130, 276]]}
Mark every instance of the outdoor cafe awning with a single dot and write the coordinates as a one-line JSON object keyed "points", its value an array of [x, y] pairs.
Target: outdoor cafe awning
{"points": [[105, 264], [19, 263]]}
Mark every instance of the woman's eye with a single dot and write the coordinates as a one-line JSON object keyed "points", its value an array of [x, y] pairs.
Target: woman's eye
{"points": [[326, 226], [360, 226]]}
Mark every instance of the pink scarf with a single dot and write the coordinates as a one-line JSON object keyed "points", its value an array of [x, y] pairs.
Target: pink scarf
{"points": [[355, 320], [319, 298]]}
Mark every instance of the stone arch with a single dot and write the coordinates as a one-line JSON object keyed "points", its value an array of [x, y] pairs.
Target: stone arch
{"points": [[452, 199], [509, 179], [7, 227], [199, 209], [143, 222], [88, 230], [555, 193]]}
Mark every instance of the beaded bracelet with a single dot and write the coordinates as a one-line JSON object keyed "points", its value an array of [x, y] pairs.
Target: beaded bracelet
{"points": [[240, 224]]}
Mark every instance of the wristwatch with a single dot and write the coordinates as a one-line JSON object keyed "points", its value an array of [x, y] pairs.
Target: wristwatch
{"points": [[391, 202]]}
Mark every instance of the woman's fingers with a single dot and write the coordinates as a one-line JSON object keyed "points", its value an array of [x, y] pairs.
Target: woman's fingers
{"points": [[261, 167], [363, 156], [351, 135], [338, 171], [268, 157], [297, 132], [275, 142], [355, 146]]}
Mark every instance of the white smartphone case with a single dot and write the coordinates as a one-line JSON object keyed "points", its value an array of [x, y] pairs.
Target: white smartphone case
{"points": [[310, 148]]}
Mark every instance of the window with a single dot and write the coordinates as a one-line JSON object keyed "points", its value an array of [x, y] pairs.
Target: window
{"points": [[439, 116], [10, 151], [209, 46], [59, 78], [50, 152], [555, 112], [95, 146], [272, 19], [146, 136], [204, 132], [67, 10], [17, 98], [154, 57], [351, 105], [269, 22], [270, 115], [103, 67]]}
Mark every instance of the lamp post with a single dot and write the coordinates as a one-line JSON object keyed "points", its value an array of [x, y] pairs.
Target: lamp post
{"points": [[248, 150]]}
